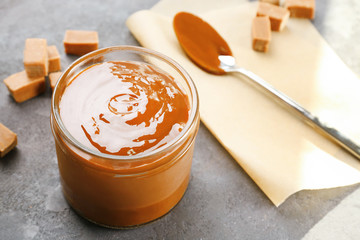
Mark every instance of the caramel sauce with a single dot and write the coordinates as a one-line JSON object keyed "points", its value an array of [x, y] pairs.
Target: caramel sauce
{"points": [[201, 42], [124, 108]]}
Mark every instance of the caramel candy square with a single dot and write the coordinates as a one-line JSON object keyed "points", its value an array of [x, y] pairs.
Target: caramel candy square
{"points": [[36, 57], [54, 77], [54, 59], [275, 2], [278, 15], [301, 8], [261, 33], [78, 42], [8, 140], [22, 88]]}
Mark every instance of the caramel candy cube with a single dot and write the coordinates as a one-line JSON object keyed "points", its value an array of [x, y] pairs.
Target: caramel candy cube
{"points": [[278, 15], [36, 57], [261, 33], [54, 59], [8, 140], [79, 42], [275, 2], [54, 77], [22, 88], [301, 8]]}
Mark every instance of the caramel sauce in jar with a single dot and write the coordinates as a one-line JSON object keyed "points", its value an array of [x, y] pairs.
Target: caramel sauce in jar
{"points": [[124, 121]]}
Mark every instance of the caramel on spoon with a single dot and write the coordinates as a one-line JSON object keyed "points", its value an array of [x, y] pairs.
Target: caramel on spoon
{"points": [[200, 41], [209, 51]]}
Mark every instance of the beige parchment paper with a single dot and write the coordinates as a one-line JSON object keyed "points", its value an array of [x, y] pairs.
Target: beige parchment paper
{"points": [[279, 151]]}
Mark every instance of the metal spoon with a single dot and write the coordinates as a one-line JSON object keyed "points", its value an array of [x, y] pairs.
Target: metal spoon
{"points": [[208, 50], [227, 63]]}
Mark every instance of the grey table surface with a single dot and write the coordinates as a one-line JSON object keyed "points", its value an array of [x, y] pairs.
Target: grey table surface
{"points": [[221, 202]]}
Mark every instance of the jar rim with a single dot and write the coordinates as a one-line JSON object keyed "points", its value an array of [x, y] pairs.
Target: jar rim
{"points": [[135, 49]]}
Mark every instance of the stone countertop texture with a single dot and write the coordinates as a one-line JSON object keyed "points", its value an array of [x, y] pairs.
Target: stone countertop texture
{"points": [[221, 202]]}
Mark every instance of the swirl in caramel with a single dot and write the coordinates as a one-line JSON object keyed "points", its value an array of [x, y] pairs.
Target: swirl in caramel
{"points": [[124, 108]]}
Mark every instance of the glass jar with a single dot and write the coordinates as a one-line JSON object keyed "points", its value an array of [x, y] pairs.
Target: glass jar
{"points": [[120, 191]]}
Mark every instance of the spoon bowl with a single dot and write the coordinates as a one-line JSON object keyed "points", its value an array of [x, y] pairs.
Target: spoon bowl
{"points": [[201, 42]]}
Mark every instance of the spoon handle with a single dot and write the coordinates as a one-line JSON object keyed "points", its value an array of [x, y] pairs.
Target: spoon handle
{"points": [[313, 121]]}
